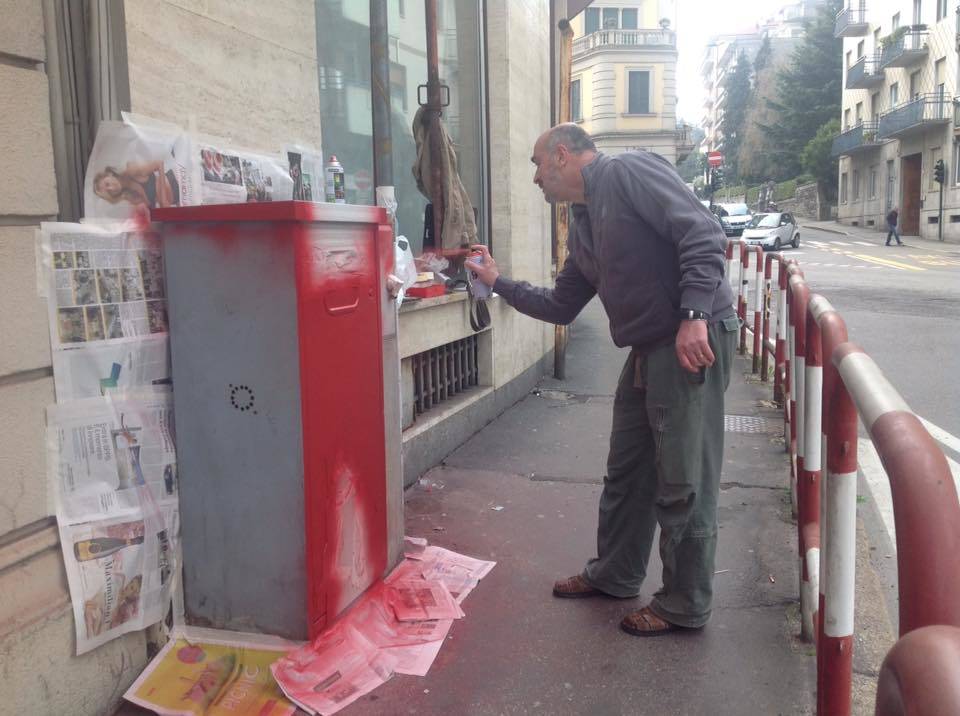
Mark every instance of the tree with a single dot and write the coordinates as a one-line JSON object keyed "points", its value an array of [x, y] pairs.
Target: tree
{"points": [[764, 55], [817, 157], [738, 93], [809, 88]]}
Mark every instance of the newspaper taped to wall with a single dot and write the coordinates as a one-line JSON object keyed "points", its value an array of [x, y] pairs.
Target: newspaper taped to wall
{"points": [[107, 307], [306, 172], [213, 677], [113, 467], [136, 166], [233, 176]]}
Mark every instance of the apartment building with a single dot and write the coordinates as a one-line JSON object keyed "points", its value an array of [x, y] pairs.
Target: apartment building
{"points": [[898, 115], [623, 84]]}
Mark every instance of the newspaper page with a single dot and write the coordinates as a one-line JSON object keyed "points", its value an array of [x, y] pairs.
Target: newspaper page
{"points": [[212, 677], [339, 667], [306, 172], [231, 176], [107, 307], [114, 471], [136, 167]]}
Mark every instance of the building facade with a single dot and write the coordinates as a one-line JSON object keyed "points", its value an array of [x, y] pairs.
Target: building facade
{"points": [[623, 82], [262, 75], [898, 116]]}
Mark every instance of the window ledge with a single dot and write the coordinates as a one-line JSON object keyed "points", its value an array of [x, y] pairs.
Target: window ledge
{"points": [[434, 301], [641, 114]]}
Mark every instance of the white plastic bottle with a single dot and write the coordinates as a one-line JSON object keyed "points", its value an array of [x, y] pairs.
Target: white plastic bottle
{"points": [[334, 181]]}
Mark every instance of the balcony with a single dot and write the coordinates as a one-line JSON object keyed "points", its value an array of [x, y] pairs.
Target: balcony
{"points": [[865, 73], [905, 48], [624, 39], [851, 22], [860, 139], [915, 116]]}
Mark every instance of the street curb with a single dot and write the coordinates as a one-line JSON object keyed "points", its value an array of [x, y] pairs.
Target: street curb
{"points": [[829, 231]]}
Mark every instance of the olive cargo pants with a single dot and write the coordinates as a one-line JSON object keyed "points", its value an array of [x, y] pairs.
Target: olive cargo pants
{"points": [[666, 451]]}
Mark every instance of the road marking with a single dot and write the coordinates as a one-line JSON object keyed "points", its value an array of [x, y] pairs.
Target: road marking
{"points": [[839, 243], [888, 262], [879, 484], [864, 243]]}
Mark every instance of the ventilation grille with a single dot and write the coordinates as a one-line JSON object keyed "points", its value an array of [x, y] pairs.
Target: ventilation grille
{"points": [[442, 372]]}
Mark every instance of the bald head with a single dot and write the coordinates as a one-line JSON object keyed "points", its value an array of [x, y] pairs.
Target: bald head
{"points": [[560, 153]]}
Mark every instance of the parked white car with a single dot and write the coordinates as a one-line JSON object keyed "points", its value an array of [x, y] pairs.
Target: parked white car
{"points": [[734, 218], [772, 231]]}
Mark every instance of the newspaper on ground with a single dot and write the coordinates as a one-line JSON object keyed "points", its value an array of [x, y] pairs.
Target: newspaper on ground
{"points": [[136, 166], [212, 676], [376, 637], [107, 308], [113, 469], [414, 600], [306, 172], [335, 670]]}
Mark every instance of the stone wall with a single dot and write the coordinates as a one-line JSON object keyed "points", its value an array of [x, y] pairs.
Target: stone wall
{"points": [[806, 203]]}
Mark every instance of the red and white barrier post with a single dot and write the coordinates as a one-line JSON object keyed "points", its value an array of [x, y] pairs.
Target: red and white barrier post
{"points": [[767, 314], [744, 296], [837, 522], [758, 346]]}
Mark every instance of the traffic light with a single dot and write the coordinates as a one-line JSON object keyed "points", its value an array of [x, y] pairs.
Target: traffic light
{"points": [[939, 171], [716, 178]]}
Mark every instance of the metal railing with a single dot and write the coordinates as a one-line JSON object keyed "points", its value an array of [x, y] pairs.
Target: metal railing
{"points": [[850, 19], [863, 136], [906, 49], [824, 383], [864, 73], [624, 38], [923, 109]]}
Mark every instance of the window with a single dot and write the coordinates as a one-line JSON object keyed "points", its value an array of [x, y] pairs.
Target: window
{"points": [[846, 119], [628, 18], [576, 110], [843, 188], [849, 55], [860, 49], [403, 8], [941, 9], [859, 113], [611, 18], [856, 185], [895, 23], [876, 40], [894, 94], [591, 20], [956, 164], [938, 82], [398, 87], [874, 106], [638, 92], [914, 85], [872, 183], [935, 156]]}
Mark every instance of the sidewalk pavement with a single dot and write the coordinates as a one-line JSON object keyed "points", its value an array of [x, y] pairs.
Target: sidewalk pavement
{"points": [[878, 236], [521, 651]]}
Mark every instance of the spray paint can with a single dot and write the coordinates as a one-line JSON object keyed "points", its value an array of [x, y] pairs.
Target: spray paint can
{"points": [[334, 181]]}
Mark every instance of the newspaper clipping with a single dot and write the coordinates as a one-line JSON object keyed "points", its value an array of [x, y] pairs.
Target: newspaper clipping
{"points": [[306, 171], [113, 465], [212, 677], [229, 176], [137, 167], [108, 309]]}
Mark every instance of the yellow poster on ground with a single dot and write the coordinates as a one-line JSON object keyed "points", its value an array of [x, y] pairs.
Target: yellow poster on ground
{"points": [[201, 678]]}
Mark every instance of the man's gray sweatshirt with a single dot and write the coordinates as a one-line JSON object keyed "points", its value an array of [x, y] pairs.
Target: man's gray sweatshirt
{"points": [[645, 244]]}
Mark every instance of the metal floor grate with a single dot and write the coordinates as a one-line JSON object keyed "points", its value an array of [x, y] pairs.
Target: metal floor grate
{"points": [[744, 424]]}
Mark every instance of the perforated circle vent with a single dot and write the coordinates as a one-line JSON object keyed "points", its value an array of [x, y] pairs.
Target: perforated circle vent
{"points": [[242, 398]]}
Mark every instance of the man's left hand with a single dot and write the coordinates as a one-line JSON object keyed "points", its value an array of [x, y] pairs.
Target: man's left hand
{"points": [[693, 346]]}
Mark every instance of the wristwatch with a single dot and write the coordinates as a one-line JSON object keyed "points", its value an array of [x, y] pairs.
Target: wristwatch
{"points": [[689, 314]]}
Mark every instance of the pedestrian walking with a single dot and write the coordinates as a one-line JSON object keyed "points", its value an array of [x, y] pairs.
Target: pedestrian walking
{"points": [[892, 218], [655, 256]]}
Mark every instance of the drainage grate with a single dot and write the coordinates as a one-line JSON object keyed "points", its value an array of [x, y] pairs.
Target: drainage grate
{"points": [[744, 424], [444, 371]]}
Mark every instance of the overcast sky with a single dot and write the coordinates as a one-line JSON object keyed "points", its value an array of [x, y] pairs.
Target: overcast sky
{"points": [[696, 21]]}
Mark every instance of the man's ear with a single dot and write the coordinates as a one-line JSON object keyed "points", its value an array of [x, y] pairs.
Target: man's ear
{"points": [[563, 155]]}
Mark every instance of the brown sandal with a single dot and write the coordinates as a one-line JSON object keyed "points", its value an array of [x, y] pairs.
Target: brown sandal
{"points": [[644, 622], [575, 587]]}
